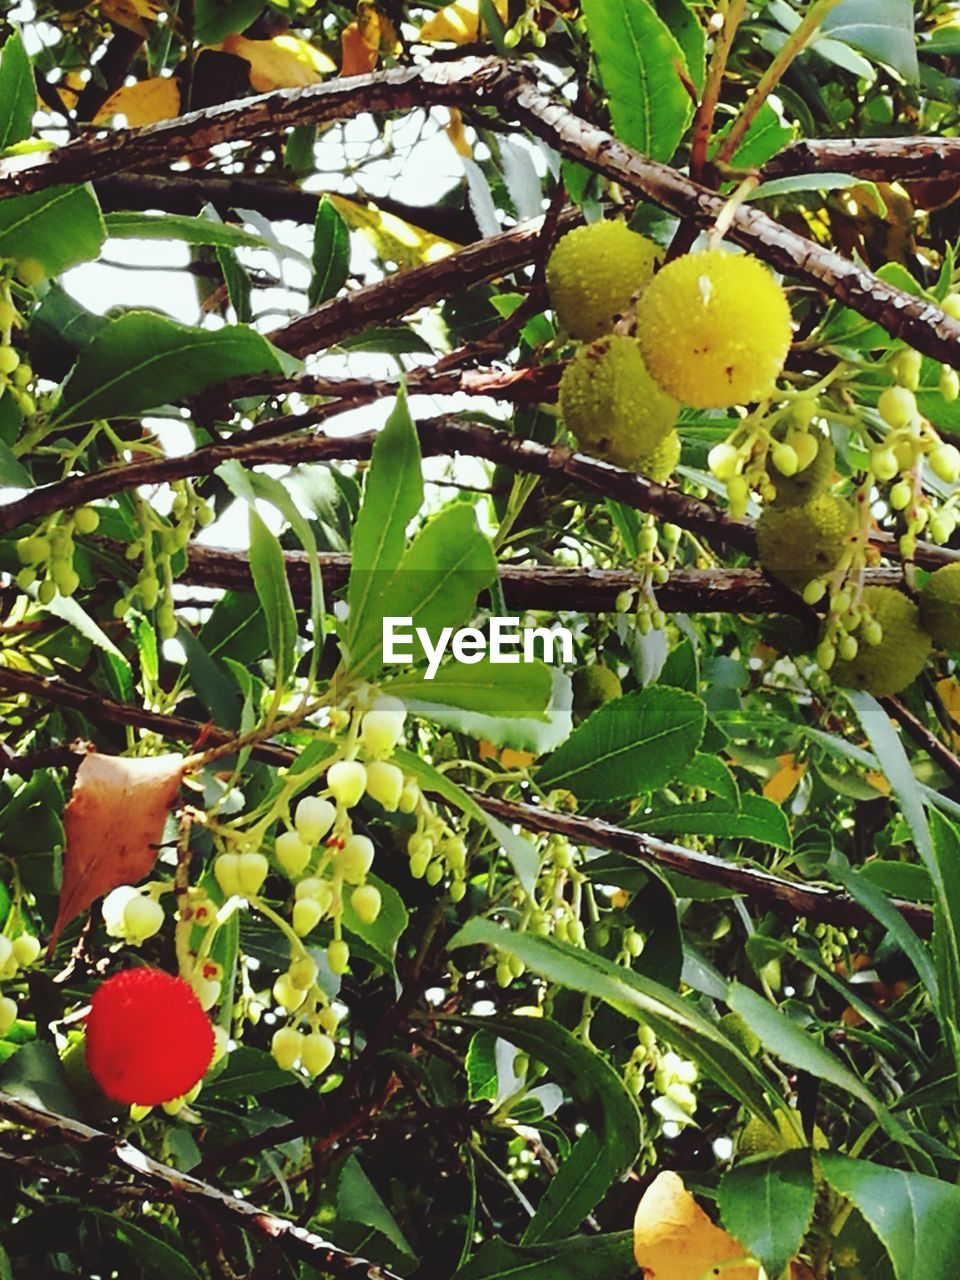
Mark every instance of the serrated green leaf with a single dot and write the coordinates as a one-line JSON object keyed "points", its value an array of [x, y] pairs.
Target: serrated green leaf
{"points": [[767, 1205], [55, 228], [758, 819], [18, 93], [382, 936]]}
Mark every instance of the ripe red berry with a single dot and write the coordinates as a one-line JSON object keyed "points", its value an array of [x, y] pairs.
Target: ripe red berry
{"points": [[148, 1039]]}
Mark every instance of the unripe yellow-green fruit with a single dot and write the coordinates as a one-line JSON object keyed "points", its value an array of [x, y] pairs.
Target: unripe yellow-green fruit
{"points": [[940, 606], [592, 686], [759, 1138], [612, 405], [714, 329], [594, 273], [795, 490], [741, 1035], [798, 544], [659, 465], [884, 669]]}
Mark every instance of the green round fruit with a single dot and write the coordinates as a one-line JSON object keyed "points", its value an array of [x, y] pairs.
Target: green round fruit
{"points": [[594, 273], [795, 490], [592, 686], [660, 464], [612, 405], [940, 606], [798, 544], [884, 669], [737, 1030]]}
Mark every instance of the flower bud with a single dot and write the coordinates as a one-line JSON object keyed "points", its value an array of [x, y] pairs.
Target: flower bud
{"points": [[313, 819], [380, 731], [226, 871], [303, 972], [897, 406], [347, 780], [291, 852], [722, 461], [317, 1053], [26, 949], [8, 1014], [286, 994], [385, 784], [142, 918], [355, 859], [338, 956], [286, 1047], [252, 870], [307, 914], [366, 903]]}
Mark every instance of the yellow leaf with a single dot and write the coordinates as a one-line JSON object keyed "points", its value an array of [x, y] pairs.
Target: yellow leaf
{"points": [[511, 759], [457, 134], [145, 102], [673, 1239], [620, 899], [393, 239], [458, 23], [949, 691], [784, 782], [285, 62], [358, 57], [877, 781], [132, 14], [487, 750]]}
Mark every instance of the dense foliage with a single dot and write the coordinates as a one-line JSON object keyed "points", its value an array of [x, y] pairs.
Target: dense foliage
{"points": [[450, 965]]}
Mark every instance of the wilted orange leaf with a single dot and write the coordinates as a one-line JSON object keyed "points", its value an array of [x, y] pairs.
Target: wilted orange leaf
{"points": [[393, 239], [135, 15], [511, 759], [673, 1239], [114, 823], [285, 62], [784, 782], [145, 102], [358, 57], [877, 781], [457, 134], [949, 691], [459, 23]]}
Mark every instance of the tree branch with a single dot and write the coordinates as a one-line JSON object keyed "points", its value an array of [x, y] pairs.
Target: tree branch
{"points": [[184, 1190], [771, 891], [875, 159]]}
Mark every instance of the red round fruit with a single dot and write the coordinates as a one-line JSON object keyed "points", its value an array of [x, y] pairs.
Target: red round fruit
{"points": [[148, 1039]]}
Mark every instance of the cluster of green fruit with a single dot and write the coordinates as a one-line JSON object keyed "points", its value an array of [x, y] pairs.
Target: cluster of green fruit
{"points": [[16, 953], [160, 540], [665, 1075], [47, 556], [16, 376], [709, 330]]}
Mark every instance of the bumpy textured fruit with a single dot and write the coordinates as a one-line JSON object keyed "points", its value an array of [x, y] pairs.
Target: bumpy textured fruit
{"points": [[659, 465], [798, 544], [940, 606], [795, 490], [594, 273], [612, 405], [759, 1138], [592, 686], [714, 329], [884, 669], [148, 1040]]}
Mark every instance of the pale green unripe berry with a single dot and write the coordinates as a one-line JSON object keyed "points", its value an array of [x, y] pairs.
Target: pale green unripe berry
{"points": [[66, 578], [942, 526], [286, 1047], [814, 591], [142, 918], [303, 972], [225, 870], [848, 648], [86, 519], [33, 550], [455, 852], [292, 854], [26, 578], [884, 463], [380, 731], [315, 889], [945, 463], [458, 891], [901, 495], [949, 383], [897, 407], [252, 870], [313, 818], [906, 366], [9, 359], [409, 797], [806, 445], [722, 461], [8, 1014], [873, 632], [338, 956], [287, 995], [26, 949], [434, 874], [355, 859], [347, 780], [951, 305], [785, 459], [385, 784], [826, 654], [47, 591], [307, 914], [366, 903], [317, 1053]]}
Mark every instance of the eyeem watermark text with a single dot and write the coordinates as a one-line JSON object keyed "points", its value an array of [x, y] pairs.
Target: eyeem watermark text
{"points": [[504, 641]]}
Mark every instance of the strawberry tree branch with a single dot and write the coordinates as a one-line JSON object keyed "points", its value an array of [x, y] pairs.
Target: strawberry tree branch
{"points": [[876, 159], [814, 901], [160, 1181]]}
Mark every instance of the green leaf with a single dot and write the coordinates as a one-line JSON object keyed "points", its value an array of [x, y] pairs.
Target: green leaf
{"points": [[382, 936], [758, 819], [492, 688], [629, 746], [614, 1124], [767, 1205], [766, 136], [150, 1255], [710, 773], [804, 182], [56, 228], [899, 879], [436, 584], [246, 1073], [882, 29], [606, 1257], [684, 24], [638, 58], [392, 496], [12, 472], [331, 253], [215, 19], [18, 93], [916, 1218], [537, 734], [177, 226], [788, 1042], [481, 1066], [673, 1019], [273, 590], [143, 360], [359, 1201], [35, 1075]]}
